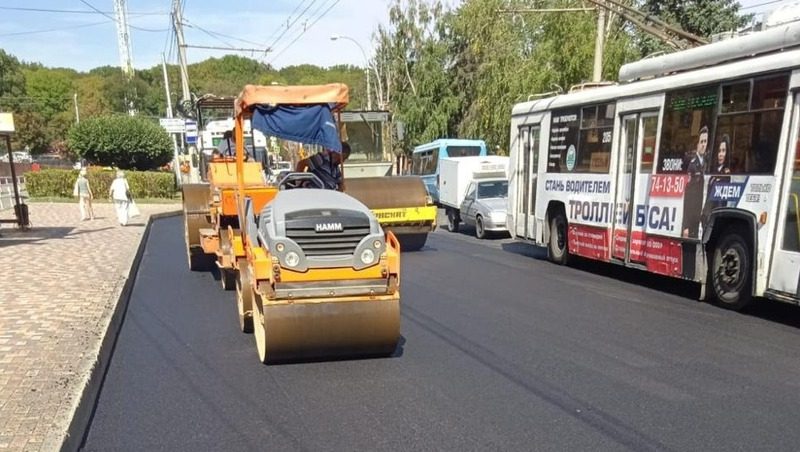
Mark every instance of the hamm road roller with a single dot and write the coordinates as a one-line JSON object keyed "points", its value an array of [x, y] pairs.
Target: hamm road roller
{"points": [[320, 278]]}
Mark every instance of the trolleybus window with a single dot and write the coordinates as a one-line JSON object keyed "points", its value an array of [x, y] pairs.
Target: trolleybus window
{"points": [[685, 133], [749, 125], [650, 130], [580, 139]]}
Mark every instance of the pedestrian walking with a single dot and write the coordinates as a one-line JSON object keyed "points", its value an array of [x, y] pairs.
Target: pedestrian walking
{"points": [[84, 193], [120, 194]]}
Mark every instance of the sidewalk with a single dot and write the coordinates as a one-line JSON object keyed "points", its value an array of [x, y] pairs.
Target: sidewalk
{"points": [[59, 286]]}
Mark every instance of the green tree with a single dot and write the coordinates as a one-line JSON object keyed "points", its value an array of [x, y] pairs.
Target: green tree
{"points": [[123, 141], [414, 63], [703, 18], [92, 99], [50, 90], [31, 131], [12, 79]]}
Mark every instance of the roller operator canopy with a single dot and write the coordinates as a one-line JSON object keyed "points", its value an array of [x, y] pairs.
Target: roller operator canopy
{"points": [[299, 113]]}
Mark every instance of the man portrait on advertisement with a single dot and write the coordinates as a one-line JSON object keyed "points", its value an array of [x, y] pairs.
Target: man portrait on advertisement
{"points": [[693, 195]]}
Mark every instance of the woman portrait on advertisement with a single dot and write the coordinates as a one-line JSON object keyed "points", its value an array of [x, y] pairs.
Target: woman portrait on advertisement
{"points": [[720, 170], [721, 165]]}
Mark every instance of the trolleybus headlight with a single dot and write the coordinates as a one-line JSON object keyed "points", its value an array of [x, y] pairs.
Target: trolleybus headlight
{"points": [[367, 256], [292, 259], [376, 244], [279, 247]]}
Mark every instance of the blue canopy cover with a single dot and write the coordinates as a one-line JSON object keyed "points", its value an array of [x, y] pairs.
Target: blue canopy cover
{"points": [[307, 124]]}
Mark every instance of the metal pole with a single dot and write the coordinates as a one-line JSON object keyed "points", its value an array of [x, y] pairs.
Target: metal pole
{"points": [[77, 114], [369, 91], [178, 24], [598, 45], [166, 85], [368, 68], [177, 163], [18, 209]]}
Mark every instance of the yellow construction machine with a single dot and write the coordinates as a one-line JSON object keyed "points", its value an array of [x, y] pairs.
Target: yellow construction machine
{"points": [[316, 275], [401, 203], [210, 210]]}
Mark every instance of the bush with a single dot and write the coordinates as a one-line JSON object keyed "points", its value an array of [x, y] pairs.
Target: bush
{"points": [[126, 142], [59, 183]]}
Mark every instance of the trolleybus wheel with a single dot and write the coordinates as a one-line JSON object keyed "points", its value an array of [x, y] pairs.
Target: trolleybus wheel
{"points": [[731, 270], [557, 246]]}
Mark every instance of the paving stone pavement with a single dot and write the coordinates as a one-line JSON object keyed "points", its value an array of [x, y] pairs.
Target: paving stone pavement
{"points": [[59, 285]]}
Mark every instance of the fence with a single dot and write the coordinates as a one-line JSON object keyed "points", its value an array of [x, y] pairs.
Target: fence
{"points": [[7, 191]]}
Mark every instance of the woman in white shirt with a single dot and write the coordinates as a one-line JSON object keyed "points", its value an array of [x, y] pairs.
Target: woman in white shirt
{"points": [[120, 194]]}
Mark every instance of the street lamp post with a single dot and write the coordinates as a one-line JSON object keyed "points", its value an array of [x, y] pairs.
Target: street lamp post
{"points": [[368, 68]]}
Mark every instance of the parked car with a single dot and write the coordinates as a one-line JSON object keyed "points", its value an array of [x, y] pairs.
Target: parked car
{"points": [[19, 156], [53, 161], [485, 206]]}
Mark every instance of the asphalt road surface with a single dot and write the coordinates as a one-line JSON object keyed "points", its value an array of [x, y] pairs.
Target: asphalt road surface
{"points": [[501, 350]]}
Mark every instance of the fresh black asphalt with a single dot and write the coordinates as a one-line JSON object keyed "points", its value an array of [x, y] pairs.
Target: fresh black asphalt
{"points": [[501, 350]]}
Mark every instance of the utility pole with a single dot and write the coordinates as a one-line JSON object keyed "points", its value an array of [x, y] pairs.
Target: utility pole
{"points": [[176, 164], [124, 47], [77, 115], [597, 74], [177, 22], [166, 85]]}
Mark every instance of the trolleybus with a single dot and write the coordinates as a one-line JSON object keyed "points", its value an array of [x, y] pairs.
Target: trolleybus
{"points": [[688, 167]]}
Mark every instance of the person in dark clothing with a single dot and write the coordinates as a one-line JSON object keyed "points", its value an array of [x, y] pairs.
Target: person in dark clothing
{"points": [[227, 146], [693, 195], [327, 166]]}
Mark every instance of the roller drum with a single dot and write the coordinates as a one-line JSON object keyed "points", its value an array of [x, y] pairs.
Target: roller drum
{"points": [[388, 192], [196, 201], [328, 329], [196, 198]]}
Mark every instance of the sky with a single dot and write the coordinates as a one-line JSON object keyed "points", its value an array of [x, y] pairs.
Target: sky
{"points": [[296, 31]]}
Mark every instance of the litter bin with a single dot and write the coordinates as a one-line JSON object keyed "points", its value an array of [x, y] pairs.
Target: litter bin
{"points": [[21, 212]]}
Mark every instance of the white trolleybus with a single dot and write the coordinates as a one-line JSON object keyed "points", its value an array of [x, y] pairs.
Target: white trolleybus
{"points": [[689, 167]]}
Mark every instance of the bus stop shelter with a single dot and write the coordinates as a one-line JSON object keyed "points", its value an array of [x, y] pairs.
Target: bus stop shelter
{"points": [[21, 218]]}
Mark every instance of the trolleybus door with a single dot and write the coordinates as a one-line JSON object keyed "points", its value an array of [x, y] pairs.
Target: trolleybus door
{"points": [[785, 268], [526, 181], [632, 175]]}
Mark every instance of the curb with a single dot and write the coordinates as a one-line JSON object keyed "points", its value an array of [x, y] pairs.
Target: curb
{"points": [[84, 410]]}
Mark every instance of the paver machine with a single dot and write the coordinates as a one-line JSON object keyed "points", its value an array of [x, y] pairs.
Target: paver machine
{"points": [[320, 278]]}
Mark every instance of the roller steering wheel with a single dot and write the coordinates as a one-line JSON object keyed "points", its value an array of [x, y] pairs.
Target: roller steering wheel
{"points": [[300, 180]]}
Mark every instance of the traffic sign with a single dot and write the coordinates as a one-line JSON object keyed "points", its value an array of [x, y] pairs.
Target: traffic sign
{"points": [[173, 125], [191, 131], [6, 123]]}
